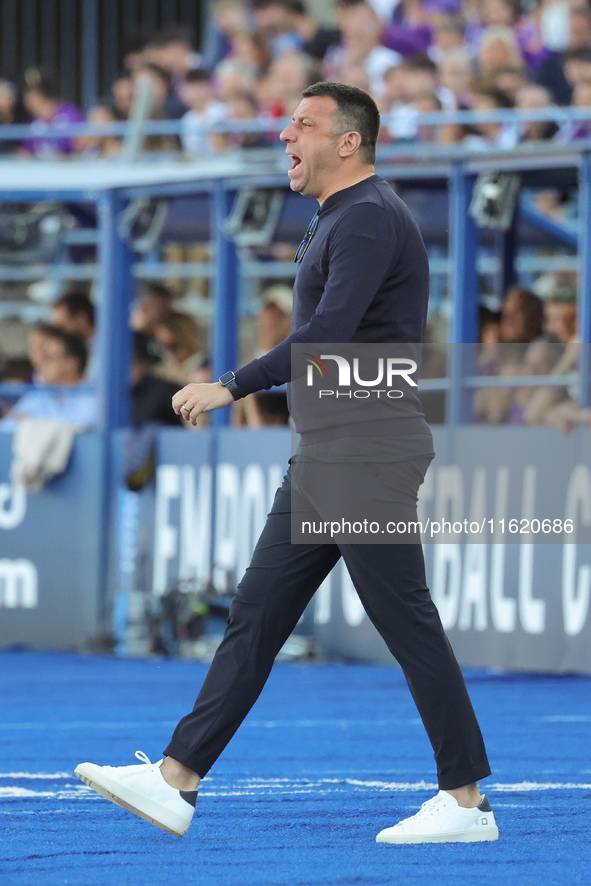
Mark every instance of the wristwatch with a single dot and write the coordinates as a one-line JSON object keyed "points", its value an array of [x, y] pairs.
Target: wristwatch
{"points": [[228, 380]]}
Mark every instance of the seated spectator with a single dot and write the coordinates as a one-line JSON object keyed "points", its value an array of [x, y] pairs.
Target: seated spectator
{"points": [[159, 95], [287, 77], [171, 50], [153, 303], [268, 408], [197, 94], [42, 100], [561, 69], [233, 78], [228, 18], [12, 112], [529, 98], [527, 405], [498, 49], [36, 341], [573, 130], [356, 75], [510, 80], [448, 34], [275, 20], [151, 395], [243, 107], [506, 15], [419, 91], [74, 313], [455, 74], [63, 363], [503, 136], [182, 342], [560, 319], [252, 50], [122, 91], [135, 50], [108, 146], [410, 31], [317, 38], [361, 33], [521, 322], [522, 316]]}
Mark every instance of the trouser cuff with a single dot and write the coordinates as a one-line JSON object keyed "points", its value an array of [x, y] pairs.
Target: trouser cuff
{"points": [[459, 778], [188, 759]]}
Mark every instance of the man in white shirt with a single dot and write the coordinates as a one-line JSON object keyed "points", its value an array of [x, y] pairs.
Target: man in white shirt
{"points": [[63, 363], [197, 94]]}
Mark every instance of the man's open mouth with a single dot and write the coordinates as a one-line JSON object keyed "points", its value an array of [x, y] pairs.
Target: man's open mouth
{"points": [[295, 161]]}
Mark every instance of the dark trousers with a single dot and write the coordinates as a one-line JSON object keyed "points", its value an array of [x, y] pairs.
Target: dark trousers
{"points": [[277, 586]]}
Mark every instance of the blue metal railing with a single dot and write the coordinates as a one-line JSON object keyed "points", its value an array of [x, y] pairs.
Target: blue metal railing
{"points": [[116, 270], [513, 117]]}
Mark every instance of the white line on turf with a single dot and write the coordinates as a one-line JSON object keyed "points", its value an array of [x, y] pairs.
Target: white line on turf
{"points": [[251, 724], [277, 787]]}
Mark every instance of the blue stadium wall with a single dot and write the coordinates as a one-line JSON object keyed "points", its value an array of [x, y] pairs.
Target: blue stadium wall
{"points": [[70, 559]]}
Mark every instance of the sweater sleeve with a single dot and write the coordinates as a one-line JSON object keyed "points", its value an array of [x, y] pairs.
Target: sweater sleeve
{"points": [[363, 247]]}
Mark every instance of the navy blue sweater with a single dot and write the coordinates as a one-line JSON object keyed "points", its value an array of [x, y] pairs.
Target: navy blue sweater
{"points": [[363, 278]]}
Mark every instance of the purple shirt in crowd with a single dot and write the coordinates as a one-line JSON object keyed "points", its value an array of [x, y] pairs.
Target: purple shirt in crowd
{"points": [[48, 147]]}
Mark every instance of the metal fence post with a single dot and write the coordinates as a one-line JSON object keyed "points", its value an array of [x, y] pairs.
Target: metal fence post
{"points": [[225, 294], [463, 252], [114, 336], [584, 300], [90, 50], [116, 287]]}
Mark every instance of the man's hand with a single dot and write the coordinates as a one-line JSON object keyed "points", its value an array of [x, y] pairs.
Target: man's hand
{"points": [[192, 400]]}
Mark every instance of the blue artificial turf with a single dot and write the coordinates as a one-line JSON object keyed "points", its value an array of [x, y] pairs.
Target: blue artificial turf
{"points": [[329, 755]]}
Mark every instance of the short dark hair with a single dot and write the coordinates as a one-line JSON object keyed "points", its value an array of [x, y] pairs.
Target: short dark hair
{"points": [[580, 54], [297, 7], [73, 345], [145, 350], [356, 111], [76, 303], [498, 96], [158, 72], [197, 75], [419, 62], [42, 80], [172, 34]]}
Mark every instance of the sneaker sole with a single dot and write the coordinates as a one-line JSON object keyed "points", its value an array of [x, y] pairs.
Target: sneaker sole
{"points": [[481, 835], [141, 806]]}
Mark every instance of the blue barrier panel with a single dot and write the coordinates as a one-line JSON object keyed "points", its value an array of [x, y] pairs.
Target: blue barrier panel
{"points": [[49, 554]]}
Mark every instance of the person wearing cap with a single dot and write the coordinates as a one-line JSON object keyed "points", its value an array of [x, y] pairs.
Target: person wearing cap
{"points": [[274, 317]]}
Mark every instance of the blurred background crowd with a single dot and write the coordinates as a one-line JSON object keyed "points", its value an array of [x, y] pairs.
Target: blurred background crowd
{"points": [[414, 57]]}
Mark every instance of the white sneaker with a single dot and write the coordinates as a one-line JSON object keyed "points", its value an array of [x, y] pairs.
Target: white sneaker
{"points": [[442, 820], [143, 790]]}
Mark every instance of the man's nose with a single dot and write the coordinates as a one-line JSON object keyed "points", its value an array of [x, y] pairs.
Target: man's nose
{"points": [[287, 134]]}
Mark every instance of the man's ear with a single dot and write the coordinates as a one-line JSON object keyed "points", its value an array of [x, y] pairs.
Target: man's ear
{"points": [[350, 143]]}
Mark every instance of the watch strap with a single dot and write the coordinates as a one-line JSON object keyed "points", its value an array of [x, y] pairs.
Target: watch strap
{"points": [[228, 380]]}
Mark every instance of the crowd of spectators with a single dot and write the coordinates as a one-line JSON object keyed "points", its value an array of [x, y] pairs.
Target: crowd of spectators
{"points": [[413, 56], [169, 351]]}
